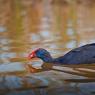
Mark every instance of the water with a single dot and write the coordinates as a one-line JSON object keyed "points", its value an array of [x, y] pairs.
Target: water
{"points": [[57, 26]]}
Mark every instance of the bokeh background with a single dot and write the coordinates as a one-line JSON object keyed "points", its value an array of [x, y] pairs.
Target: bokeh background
{"points": [[57, 25]]}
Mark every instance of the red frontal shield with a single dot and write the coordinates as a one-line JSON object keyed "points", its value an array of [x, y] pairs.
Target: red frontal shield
{"points": [[33, 54]]}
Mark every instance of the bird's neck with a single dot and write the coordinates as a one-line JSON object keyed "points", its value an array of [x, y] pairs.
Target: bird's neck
{"points": [[53, 60], [48, 59]]}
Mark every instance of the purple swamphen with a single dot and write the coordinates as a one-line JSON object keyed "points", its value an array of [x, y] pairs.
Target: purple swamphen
{"points": [[81, 55]]}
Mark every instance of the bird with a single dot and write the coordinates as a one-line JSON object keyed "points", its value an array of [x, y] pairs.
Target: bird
{"points": [[81, 55]]}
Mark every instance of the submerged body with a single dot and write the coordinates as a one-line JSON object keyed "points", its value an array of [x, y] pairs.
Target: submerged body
{"points": [[81, 55]]}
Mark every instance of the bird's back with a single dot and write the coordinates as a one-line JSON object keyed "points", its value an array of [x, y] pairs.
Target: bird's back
{"points": [[82, 55]]}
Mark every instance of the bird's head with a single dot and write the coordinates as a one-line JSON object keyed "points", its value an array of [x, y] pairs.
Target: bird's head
{"points": [[40, 53]]}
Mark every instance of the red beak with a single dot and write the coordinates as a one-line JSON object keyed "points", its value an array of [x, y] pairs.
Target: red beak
{"points": [[32, 55]]}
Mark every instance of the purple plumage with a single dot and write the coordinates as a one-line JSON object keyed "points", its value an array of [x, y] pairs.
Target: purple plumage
{"points": [[81, 55]]}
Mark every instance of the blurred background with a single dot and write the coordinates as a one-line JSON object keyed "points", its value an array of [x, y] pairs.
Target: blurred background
{"points": [[57, 25]]}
